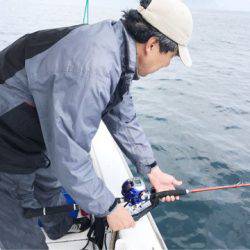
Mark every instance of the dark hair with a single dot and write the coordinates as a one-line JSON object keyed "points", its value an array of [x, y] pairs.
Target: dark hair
{"points": [[141, 30]]}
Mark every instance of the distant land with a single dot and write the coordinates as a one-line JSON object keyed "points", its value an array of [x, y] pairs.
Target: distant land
{"points": [[227, 5]]}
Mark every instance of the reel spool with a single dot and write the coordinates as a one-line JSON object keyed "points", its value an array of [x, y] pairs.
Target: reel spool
{"points": [[133, 190]]}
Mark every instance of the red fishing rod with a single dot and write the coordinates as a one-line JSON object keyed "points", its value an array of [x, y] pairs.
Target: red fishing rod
{"points": [[153, 198], [180, 192], [239, 185]]}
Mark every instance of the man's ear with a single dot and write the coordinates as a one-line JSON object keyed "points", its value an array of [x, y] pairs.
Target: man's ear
{"points": [[151, 44]]}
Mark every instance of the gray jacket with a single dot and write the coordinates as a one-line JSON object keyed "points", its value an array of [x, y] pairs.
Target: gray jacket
{"points": [[74, 77]]}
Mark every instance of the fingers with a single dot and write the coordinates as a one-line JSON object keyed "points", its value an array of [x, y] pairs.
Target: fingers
{"points": [[122, 226], [131, 223], [120, 219], [128, 224], [173, 198], [170, 198], [176, 182]]}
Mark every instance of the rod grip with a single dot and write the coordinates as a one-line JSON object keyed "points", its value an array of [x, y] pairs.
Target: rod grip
{"points": [[177, 192]]}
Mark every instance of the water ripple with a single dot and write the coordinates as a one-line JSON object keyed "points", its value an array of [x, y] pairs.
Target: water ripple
{"points": [[232, 127], [159, 148]]}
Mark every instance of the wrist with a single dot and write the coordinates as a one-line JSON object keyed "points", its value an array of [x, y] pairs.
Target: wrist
{"points": [[154, 171], [113, 206], [146, 169]]}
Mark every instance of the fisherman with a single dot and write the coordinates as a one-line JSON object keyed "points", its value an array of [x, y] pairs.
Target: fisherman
{"points": [[55, 88]]}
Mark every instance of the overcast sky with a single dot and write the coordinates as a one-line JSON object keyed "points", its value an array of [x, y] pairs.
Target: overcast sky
{"points": [[238, 5]]}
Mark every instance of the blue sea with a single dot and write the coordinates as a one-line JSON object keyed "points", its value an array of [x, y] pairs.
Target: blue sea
{"points": [[198, 119]]}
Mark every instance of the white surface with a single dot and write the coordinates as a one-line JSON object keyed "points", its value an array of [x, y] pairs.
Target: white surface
{"points": [[71, 241], [111, 166], [113, 169]]}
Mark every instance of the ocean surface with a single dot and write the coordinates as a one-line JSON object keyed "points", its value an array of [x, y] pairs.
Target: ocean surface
{"points": [[198, 119]]}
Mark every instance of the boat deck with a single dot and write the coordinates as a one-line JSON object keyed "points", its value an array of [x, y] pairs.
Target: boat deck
{"points": [[111, 166], [71, 241]]}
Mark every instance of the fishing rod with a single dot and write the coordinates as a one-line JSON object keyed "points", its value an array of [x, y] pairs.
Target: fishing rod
{"points": [[141, 201], [136, 197], [199, 190]]}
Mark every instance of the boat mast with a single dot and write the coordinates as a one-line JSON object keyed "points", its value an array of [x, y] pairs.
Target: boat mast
{"points": [[86, 13]]}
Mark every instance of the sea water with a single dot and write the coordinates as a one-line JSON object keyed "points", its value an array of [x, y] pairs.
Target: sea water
{"points": [[198, 119]]}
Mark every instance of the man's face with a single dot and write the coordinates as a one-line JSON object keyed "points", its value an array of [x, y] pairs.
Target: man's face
{"points": [[150, 59]]}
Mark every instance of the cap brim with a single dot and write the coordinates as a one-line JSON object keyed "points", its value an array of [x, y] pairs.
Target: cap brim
{"points": [[185, 56]]}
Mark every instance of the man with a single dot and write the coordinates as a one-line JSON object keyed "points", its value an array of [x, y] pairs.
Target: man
{"points": [[56, 86]]}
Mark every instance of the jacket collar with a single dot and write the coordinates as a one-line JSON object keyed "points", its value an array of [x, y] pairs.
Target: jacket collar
{"points": [[128, 51]]}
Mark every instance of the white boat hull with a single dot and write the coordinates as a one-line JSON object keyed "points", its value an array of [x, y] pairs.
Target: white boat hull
{"points": [[112, 167]]}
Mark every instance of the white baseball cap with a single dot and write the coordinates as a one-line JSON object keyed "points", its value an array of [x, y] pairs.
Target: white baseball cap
{"points": [[173, 19]]}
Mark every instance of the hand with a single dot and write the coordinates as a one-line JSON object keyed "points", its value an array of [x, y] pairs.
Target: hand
{"points": [[120, 218], [163, 182]]}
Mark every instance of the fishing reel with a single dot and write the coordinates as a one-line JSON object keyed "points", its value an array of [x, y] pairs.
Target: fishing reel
{"points": [[134, 191], [136, 197], [139, 200]]}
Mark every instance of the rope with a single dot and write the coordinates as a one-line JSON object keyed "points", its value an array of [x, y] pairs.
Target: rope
{"points": [[86, 13]]}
